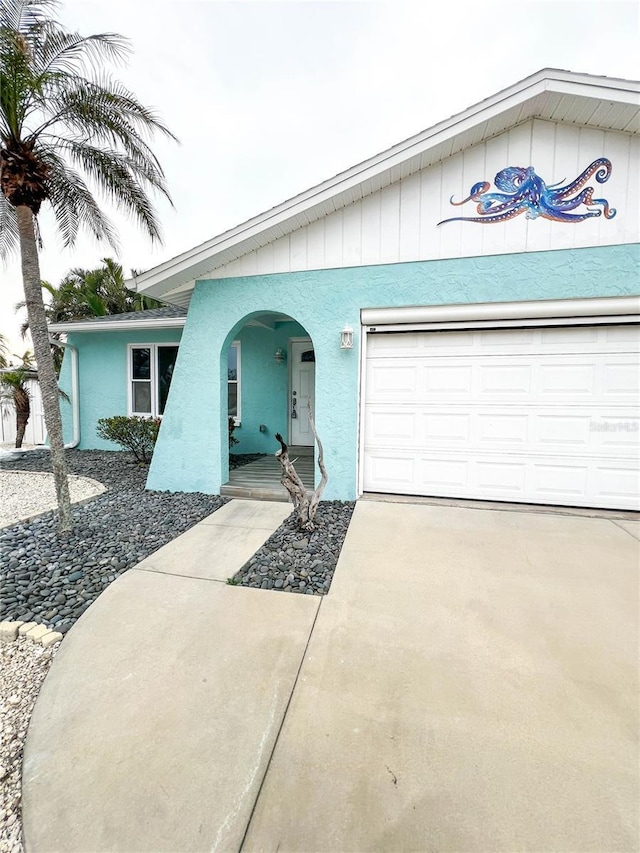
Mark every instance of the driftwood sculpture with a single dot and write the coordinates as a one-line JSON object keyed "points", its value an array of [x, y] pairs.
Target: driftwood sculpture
{"points": [[305, 502]]}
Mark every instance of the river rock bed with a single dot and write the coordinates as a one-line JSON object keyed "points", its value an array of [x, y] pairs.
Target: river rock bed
{"points": [[23, 667], [52, 580], [296, 562]]}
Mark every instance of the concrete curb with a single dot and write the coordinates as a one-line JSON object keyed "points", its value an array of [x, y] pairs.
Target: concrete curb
{"points": [[10, 631]]}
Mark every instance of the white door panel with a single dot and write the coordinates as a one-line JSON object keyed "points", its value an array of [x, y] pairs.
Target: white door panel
{"points": [[303, 380], [534, 415]]}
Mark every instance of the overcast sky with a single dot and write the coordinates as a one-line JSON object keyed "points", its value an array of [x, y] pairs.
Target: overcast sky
{"points": [[270, 98]]}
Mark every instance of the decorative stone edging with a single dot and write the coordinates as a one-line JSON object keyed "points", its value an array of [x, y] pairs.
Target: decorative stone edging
{"points": [[10, 631]]}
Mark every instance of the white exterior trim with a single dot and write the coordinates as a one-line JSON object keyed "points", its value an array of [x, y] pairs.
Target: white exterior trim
{"points": [[153, 377], [238, 380], [541, 309], [362, 394], [119, 325]]}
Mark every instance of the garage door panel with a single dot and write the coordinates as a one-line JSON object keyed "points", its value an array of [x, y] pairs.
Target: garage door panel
{"points": [[393, 470], [563, 482], [500, 477], [541, 423], [612, 335], [558, 378], [444, 472], [509, 378], [497, 429], [395, 380], [567, 339], [507, 339], [615, 432], [447, 379], [561, 431], [578, 340], [542, 429], [539, 480], [621, 379], [501, 380], [618, 483], [445, 427], [387, 428]]}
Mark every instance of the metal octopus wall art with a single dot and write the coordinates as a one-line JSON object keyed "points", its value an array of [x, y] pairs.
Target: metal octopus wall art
{"points": [[522, 191]]}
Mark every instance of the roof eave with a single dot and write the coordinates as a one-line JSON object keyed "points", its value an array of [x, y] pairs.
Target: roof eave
{"points": [[118, 325], [182, 269]]}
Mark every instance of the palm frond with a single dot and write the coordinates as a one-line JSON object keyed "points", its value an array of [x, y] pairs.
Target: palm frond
{"points": [[68, 52], [121, 180], [100, 110], [73, 203], [67, 128], [27, 15], [8, 229]]}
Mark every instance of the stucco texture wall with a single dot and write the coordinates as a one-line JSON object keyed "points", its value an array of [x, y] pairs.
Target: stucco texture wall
{"points": [[102, 375], [191, 453]]}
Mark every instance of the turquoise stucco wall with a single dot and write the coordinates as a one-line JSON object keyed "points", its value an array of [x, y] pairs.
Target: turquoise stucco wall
{"points": [[264, 386], [102, 374], [191, 450]]}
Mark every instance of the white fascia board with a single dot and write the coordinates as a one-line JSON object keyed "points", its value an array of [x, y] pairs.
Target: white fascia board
{"points": [[196, 262], [625, 92], [119, 325], [526, 310]]}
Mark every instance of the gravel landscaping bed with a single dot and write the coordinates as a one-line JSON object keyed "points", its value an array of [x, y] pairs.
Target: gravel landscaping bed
{"points": [[290, 561], [23, 667], [52, 580], [29, 493]]}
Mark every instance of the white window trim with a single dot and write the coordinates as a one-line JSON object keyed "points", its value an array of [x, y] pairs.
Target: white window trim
{"points": [[153, 377], [237, 418]]}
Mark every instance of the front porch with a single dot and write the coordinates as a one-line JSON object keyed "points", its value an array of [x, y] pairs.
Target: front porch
{"points": [[260, 480]]}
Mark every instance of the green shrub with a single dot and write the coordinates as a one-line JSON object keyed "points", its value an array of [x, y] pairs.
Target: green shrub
{"points": [[132, 433]]}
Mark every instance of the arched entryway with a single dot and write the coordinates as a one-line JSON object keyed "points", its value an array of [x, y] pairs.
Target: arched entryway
{"points": [[270, 361]]}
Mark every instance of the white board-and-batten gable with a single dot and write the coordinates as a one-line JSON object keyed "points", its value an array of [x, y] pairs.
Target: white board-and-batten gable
{"points": [[399, 213], [400, 222]]}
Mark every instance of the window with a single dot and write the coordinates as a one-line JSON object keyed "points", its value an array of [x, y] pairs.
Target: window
{"points": [[233, 381], [150, 373]]}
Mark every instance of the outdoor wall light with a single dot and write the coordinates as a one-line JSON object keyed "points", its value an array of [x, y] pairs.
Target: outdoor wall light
{"points": [[346, 338], [280, 356]]}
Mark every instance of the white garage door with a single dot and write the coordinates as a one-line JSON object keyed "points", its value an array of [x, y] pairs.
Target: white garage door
{"points": [[540, 415]]}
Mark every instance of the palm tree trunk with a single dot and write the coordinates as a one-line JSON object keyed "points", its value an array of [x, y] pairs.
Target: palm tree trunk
{"points": [[23, 410], [44, 359]]}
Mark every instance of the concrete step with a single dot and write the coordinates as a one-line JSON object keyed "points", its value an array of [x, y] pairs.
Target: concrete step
{"points": [[254, 492]]}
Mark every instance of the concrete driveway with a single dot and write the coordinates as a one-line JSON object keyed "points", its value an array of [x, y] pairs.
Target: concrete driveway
{"points": [[469, 684]]}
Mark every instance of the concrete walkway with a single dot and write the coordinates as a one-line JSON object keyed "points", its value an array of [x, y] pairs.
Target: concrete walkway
{"points": [[469, 684]]}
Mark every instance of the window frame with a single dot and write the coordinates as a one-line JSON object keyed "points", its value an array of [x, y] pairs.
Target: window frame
{"points": [[153, 377], [237, 381]]}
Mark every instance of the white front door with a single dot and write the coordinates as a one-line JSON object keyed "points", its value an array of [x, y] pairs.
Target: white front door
{"points": [[303, 383]]}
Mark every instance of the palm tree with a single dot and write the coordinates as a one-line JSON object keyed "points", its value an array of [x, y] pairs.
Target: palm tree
{"points": [[3, 351], [92, 293], [61, 117], [89, 293], [13, 386]]}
